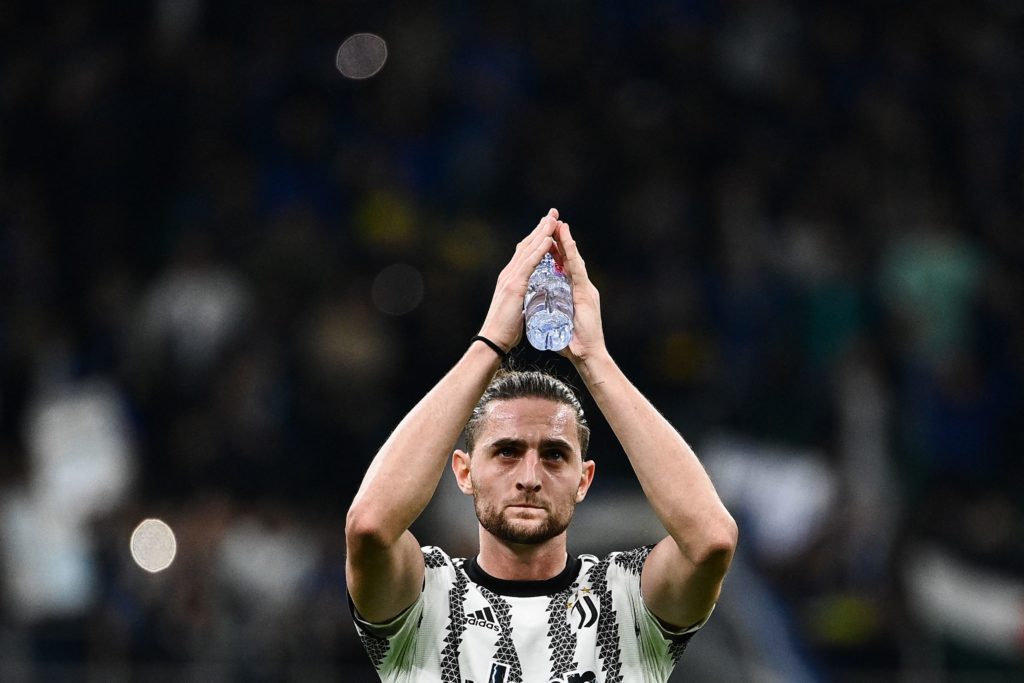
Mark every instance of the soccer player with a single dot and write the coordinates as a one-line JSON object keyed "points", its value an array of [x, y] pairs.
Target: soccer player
{"points": [[523, 609]]}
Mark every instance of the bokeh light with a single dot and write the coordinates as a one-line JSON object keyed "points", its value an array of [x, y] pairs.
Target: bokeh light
{"points": [[397, 289], [361, 56], [153, 545]]}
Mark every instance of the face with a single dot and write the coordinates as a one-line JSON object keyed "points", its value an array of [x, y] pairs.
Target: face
{"points": [[526, 473]]}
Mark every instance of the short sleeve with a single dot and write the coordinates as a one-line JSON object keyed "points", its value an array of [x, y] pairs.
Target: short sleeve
{"points": [[660, 647], [391, 645], [389, 641]]}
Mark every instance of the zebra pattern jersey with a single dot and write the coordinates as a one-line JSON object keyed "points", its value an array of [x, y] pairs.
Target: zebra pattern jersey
{"points": [[589, 624]]}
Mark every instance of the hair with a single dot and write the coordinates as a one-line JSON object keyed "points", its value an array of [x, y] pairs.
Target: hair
{"points": [[512, 384]]}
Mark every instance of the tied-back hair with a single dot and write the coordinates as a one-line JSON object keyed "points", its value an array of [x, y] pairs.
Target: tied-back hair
{"points": [[511, 384]]}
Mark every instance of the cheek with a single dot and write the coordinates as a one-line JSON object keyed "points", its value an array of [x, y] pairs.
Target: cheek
{"points": [[485, 481], [567, 484]]}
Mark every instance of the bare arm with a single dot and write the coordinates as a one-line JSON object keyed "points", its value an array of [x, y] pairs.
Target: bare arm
{"points": [[683, 575], [384, 565]]}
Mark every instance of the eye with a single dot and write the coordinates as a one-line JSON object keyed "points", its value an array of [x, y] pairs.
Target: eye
{"points": [[506, 452], [554, 454]]}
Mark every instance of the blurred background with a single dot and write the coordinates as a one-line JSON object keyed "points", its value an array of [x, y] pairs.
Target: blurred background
{"points": [[227, 270]]}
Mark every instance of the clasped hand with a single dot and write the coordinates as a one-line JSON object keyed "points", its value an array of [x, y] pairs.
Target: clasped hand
{"points": [[504, 322]]}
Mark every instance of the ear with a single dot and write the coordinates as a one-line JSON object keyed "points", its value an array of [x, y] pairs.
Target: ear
{"points": [[586, 479], [461, 465]]}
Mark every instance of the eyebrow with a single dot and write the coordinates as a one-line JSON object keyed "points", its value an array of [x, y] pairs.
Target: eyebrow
{"points": [[521, 444]]}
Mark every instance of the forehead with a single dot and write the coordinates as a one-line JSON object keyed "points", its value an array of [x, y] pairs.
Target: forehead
{"points": [[526, 418]]}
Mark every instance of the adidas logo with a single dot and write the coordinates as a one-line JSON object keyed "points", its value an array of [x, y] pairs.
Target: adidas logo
{"points": [[483, 617]]}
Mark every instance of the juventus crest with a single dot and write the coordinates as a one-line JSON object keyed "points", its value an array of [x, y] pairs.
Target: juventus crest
{"points": [[584, 609]]}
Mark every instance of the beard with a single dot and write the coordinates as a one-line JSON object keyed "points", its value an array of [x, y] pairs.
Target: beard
{"points": [[497, 522]]}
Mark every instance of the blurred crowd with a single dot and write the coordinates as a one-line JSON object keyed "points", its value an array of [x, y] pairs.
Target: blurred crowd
{"points": [[226, 271]]}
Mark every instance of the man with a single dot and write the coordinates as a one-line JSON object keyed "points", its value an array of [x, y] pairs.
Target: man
{"points": [[522, 609]]}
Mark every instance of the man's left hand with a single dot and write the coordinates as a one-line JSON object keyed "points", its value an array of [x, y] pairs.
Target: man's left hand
{"points": [[588, 333]]}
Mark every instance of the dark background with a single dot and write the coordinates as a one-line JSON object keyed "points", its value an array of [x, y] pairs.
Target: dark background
{"points": [[226, 271]]}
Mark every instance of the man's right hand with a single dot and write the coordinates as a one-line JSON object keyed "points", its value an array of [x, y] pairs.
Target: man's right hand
{"points": [[504, 322]]}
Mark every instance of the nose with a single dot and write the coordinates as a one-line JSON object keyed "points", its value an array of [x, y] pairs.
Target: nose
{"points": [[528, 475]]}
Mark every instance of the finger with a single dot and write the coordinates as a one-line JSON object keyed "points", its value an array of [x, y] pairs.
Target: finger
{"points": [[541, 238], [529, 254], [542, 246], [542, 226], [572, 262], [533, 233], [556, 253]]}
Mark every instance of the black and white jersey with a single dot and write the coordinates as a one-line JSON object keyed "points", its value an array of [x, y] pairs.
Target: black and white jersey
{"points": [[588, 624]]}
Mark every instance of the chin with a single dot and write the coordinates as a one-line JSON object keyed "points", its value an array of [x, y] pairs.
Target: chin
{"points": [[522, 528], [528, 531]]}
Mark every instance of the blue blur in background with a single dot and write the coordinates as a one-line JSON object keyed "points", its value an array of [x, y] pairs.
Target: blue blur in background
{"points": [[226, 272]]}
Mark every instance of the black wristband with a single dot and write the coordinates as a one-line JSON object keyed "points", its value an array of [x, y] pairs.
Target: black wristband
{"points": [[497, 349]]}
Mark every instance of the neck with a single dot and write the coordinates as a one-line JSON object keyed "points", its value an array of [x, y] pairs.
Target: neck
{"points": [[522, 562]]}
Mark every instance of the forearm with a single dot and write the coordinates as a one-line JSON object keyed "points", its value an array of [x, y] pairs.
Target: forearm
{"points": [[406, 470], [672, 478]]}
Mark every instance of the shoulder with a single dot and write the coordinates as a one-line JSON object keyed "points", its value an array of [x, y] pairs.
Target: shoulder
{"points": [[438, 563], [632, 561], [435, 558], [628, 561]]}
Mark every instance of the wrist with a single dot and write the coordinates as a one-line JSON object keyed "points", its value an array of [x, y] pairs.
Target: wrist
{"points": [[595, 365], [479, 355], [503, 338], [494, 346]]}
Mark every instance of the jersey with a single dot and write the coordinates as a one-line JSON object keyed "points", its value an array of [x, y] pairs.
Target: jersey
{"points": [[589, 624]]}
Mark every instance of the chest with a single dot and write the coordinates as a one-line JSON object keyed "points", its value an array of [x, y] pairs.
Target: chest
{"points": [[547, 638]]}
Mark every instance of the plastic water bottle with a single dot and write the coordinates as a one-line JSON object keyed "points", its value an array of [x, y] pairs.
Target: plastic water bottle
{"points": [[548, 307]]}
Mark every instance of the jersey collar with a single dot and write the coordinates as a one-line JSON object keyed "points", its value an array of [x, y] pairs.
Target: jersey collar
{"points": [[525, 589]]}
